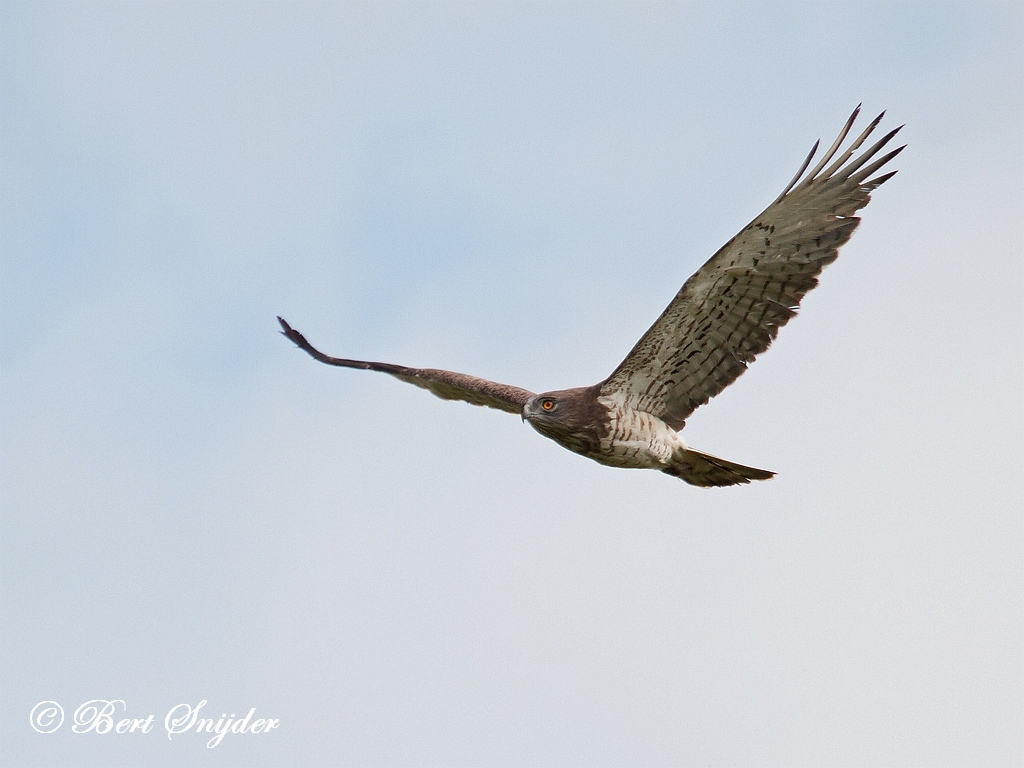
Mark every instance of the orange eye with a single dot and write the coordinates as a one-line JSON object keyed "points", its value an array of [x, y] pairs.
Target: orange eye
{"points": [[547, 405]]}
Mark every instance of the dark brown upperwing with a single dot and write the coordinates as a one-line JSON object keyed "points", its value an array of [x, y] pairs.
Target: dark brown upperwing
{"points": [[447, 385], [731, 309]]}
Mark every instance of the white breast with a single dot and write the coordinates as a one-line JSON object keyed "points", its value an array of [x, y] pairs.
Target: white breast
{"points": [[636, 439]]}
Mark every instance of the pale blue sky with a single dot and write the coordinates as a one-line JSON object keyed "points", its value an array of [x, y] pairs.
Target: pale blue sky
{"points": [[193, 509]]}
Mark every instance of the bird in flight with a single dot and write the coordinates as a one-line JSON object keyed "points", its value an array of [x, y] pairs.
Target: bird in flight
{"points": [[725, 315]]}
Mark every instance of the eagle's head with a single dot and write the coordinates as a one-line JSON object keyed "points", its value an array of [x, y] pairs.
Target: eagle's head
{"points": [[571, 417]]}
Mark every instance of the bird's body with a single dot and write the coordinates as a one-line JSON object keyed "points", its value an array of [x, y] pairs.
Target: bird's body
{"points": [[606, 429], [726, 314]]}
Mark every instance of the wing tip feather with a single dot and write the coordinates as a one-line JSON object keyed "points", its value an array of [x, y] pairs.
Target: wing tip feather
{"points": [[878, 181], [796, 178]]}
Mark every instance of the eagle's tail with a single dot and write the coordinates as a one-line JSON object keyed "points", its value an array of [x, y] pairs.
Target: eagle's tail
{"points": [[707, 471]]}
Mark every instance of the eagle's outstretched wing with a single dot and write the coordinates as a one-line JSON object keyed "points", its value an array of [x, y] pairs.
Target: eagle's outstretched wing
{"points": [[447, 385], [731, 309]]}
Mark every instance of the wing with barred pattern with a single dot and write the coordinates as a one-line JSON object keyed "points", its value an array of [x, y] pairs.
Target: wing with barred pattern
{"points": [[732, 308]]}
